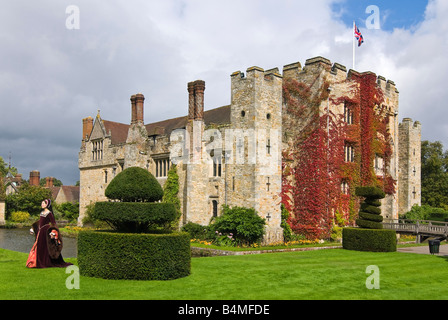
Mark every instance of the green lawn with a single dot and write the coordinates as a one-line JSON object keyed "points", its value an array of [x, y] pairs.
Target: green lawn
{"points": [[321, 274]]}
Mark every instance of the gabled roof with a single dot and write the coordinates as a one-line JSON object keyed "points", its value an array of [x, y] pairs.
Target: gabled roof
{"points": [[71, 193], [119, 131]]}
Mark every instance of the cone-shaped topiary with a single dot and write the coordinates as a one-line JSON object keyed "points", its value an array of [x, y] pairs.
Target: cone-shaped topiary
{"points": [[370, 212], [134, 185]]}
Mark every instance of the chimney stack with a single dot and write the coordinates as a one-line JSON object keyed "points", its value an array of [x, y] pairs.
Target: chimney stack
{"points": [[87, 126], [137, 106], [34, 178], [196, 100], [49, 182]]}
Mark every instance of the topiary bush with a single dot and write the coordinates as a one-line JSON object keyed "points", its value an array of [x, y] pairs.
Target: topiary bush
{"points": [[374, 240], [370, 235], [132, 252], [135, 216], [113, 255], [137, 191], [370, 212], [134, 185]]}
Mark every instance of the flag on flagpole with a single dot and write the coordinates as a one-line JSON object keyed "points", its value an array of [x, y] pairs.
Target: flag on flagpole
{"points": [[358, 36]]}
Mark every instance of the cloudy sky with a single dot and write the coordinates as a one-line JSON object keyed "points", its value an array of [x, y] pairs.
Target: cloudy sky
{"points": [[54, 71]]}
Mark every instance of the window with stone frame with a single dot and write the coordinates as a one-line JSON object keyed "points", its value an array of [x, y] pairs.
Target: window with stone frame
{"points": [[97, 149], [217, 163], [379, 165], [344, 187], [348, 114], [349, 152], [163, 165]]}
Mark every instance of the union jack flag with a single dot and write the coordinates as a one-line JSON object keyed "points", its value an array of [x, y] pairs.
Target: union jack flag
{"points": [[358, 36]]}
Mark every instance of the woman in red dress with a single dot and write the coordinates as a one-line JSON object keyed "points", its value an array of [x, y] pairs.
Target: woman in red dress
{"points": [[46, 251]]}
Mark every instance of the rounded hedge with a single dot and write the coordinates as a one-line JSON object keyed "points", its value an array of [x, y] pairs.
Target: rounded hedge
{"points": [[374, 240], [113, 255], [370, 212], [370, 192], [134, 216], [134, 184]]}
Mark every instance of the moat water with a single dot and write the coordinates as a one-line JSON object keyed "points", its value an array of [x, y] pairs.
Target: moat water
{"points": [[21, 240]]}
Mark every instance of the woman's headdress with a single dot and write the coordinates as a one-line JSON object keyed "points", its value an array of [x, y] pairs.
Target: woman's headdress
{"points": [[48, 202]]}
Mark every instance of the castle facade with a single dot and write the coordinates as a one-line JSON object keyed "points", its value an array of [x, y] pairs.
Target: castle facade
{"points": [[256, 152]]}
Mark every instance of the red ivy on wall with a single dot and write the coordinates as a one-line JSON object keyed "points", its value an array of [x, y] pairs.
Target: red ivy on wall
{"points": [[314, 165]]}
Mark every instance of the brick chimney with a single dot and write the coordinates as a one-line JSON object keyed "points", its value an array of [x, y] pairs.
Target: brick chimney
{"points": [[196, 100], [18, 178], [49, 182], [137, 108], [87, 126], [191, 103], [34, 178]]}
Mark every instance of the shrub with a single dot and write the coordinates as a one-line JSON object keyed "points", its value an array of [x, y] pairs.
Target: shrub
{"points": [[426, 212], [111, 255], [134, 255], [68, 210], [134, 216], [244, 224], [370, 192], [20, 216], [195, 230], [370, 212], [170, 193], [134, 184], [376, 240], [28, 199], [287, 232]]}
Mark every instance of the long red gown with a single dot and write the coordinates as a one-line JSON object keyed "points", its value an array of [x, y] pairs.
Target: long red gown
{"points": [[39, 256]]}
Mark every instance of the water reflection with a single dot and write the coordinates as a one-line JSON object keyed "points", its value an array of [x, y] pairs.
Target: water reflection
{"points": [[21, 240]]}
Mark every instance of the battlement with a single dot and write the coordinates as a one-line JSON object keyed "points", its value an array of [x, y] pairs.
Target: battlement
{"points": [[338, 71], [408, 124], [255, 71]]}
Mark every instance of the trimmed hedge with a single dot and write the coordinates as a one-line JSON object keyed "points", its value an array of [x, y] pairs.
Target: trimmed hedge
{"points": [[376, 240], [134, 184], [370, 216], [370, 192], [370, 212], [113, 255], [134, 216]]}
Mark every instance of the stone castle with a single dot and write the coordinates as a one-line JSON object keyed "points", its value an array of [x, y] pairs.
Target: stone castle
{"points": [[233, 154]]}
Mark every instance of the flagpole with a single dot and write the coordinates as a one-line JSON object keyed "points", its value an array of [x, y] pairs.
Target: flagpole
{"points": [[353, 37]]}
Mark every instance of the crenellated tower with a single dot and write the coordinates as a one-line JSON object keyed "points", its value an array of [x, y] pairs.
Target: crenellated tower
{"points": [[253, 145], [409, 174]]}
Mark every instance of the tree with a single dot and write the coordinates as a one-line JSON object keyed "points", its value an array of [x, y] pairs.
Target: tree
{"points": [[5, 168], [434, 162], [56, 182], [28, 199]]}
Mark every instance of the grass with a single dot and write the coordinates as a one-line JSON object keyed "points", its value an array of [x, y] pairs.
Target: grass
{"points": [[327, 274]]}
